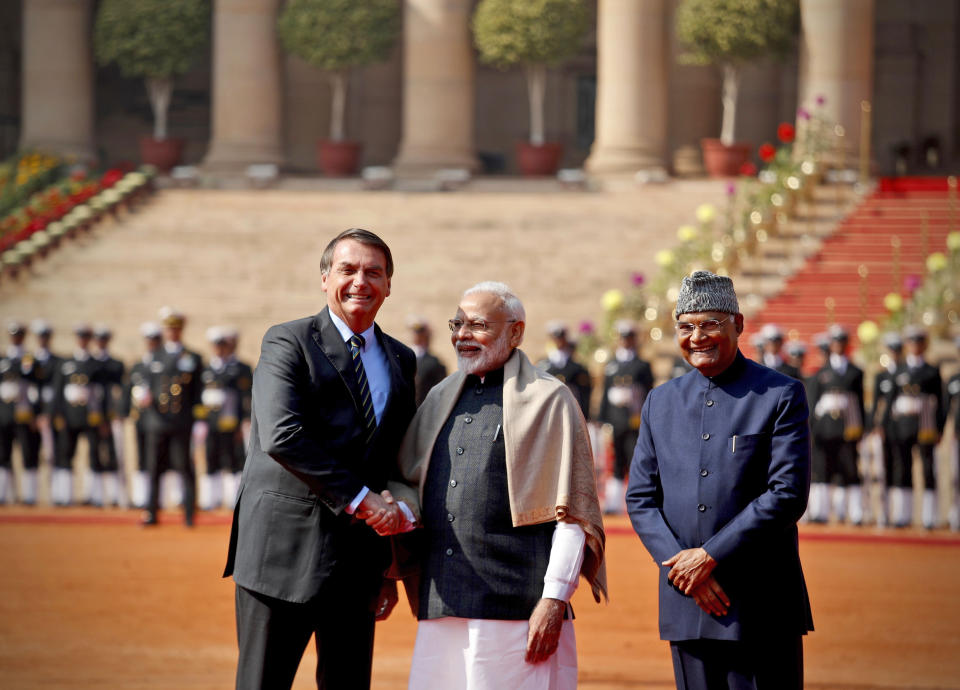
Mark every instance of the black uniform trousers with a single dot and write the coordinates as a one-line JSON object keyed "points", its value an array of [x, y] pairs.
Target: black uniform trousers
{"points": [[769, 664], [175, 445], [29, 441], [900, 469], [224, 451], [834, 459], [103, 454]]}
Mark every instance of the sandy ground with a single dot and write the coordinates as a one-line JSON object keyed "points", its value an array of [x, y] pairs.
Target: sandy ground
{"points": [[90, 600]]}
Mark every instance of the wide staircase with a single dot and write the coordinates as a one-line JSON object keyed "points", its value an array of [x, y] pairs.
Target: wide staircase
{"points": [[878, 248]]}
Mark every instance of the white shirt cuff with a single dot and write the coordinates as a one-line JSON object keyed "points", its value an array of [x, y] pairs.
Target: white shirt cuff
{"points": [[566, 559], [409, 521], [355, 503]]}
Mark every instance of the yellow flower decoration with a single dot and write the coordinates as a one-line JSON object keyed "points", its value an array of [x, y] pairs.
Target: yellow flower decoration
{"points": [[953, 241], [612, 300], [868, 332], [706, 213], [664, 258], [687, 233], [936, 262], [893, 302]]}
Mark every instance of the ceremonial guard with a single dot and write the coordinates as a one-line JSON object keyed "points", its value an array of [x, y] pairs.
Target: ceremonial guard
{"points": [[560, 363], [836, 398], [952, 402], [41, 370], [772, 351], [17, 412], [796, 353], [231, 483], [78, 410], [175, 390], [878, 450], [109, 482], [430, 370], [224, 401], [138, 399], [917, 420], [626, 382]]}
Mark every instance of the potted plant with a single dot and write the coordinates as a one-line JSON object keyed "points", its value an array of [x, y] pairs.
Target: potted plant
{"points": [[536, 34], [731, 33], [336, 36], [156, 40]]}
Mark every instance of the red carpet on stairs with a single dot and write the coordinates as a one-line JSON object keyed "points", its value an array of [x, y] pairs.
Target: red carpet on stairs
{"points": [[895, 213]]}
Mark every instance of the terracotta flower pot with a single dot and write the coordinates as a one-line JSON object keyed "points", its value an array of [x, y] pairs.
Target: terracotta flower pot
{"points": [[534, 160], [338, 158], [721, 160], [163, 154]]}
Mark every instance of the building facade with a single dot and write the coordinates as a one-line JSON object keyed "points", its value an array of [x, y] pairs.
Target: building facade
{"points": [[624, 104]]}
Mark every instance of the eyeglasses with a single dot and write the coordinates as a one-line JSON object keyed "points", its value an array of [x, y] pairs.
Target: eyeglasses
{"points": [[474, 325], [709, 327]]}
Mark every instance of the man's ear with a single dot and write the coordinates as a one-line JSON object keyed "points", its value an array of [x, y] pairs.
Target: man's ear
{"points": [[738, 322], [516, 333]]}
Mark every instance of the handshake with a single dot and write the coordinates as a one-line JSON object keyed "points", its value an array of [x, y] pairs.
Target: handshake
{"points": [[385, 515]]}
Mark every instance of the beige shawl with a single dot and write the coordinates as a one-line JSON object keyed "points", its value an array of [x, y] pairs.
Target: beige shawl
{"points": [[550, 474]]}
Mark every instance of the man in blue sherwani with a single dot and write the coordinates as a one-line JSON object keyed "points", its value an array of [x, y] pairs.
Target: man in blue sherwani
{"points": [[718, 481]]}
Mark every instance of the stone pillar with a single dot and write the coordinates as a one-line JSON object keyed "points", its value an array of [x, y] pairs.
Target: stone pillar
{"points": [[438, 87], [632, 49], [246, 96], [836, 60], [57, 109]]}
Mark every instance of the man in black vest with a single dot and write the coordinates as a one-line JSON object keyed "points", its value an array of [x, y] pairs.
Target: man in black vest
{"points": [[510, 513], [918, 418], [332, 397], [836, 399], [430, 370], [560, 362]]}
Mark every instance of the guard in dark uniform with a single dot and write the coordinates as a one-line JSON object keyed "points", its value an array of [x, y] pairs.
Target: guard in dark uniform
{"points": [[560, 363], [225, 387], [627, 380], [796, 352], [772, 351], [917, 420], [79, 410], [878, 421], [175, 390], [430, 370], [231, 481], [952, 403], [109, 479], [41, 371], [836, 399], [138, 399], [17, 411]]}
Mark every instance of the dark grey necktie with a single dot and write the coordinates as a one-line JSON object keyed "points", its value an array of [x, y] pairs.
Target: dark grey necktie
{"points": [[366, 400]]}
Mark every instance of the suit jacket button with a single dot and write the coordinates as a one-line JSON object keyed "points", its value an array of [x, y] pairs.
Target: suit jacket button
{"points": [[453, 482], [709, 403], [704, 473], [705, 437], [449, 517], [459, 451], [449, 552], [702, 508]]}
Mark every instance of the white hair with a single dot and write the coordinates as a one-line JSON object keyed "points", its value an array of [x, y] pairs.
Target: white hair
{"points": [[511, 302]]}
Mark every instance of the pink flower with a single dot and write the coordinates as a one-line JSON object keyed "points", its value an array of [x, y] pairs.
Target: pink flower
{"points": [[585, 328], [803, 114], [731, 187], [637, 279], [911, 283], [821, 99]]}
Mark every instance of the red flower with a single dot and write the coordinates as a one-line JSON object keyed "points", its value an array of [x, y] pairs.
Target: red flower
{"points": [[767, 152], [786, 132], [748, 169]]}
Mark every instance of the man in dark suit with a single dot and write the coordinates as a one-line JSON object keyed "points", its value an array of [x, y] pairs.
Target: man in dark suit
{"points": [[561, 362], [430, 370], [332, 398], [718, 481], [773, 351]]}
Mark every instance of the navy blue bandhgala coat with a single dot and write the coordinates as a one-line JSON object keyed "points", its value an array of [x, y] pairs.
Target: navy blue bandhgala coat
{"points": [[724, 464]]}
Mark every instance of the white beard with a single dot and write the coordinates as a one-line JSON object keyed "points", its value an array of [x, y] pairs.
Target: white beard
{"points": [[489, 358]]}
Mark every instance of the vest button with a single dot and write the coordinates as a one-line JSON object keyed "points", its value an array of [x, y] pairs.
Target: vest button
{"points": [[709, 403], [705, 437], [449, 552], [703, 473], [449, 517], [453, 482], [468, 420], [459, 450], [702, 508]]}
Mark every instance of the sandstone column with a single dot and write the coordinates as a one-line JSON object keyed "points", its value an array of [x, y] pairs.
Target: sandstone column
{"points": [[246, 97], [836, 60], [438, 87], [57, 109], [632, 49]]}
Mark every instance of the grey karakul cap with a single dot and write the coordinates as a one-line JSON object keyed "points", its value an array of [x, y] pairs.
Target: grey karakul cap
{"points": [[706, 291]]}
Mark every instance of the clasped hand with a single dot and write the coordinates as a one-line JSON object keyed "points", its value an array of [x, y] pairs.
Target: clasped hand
{"points": [[380, 512], [691, 572]]}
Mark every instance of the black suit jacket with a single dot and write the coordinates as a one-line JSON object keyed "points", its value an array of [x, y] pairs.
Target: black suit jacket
{"points": [[307, 460]]}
